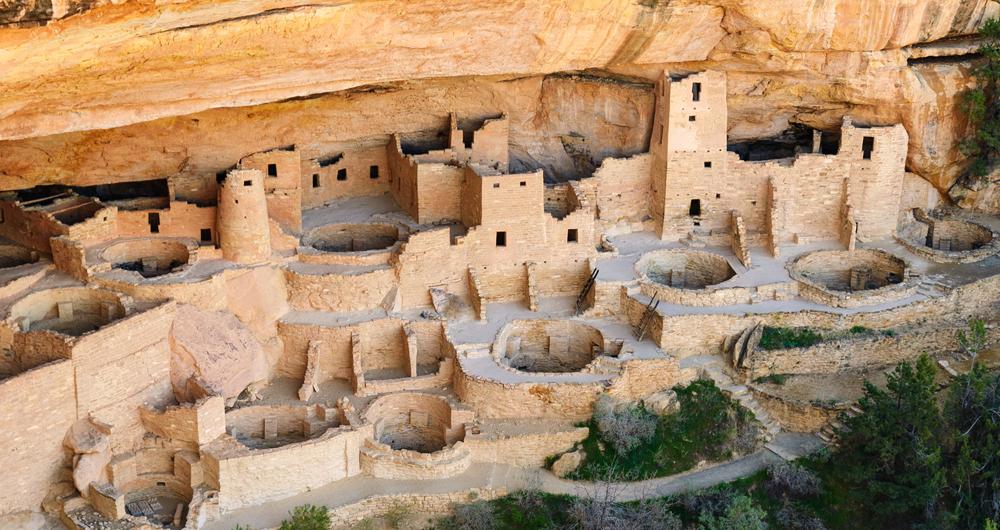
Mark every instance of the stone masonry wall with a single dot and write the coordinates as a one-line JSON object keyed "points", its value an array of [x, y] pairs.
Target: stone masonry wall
{"points": [[38, 408]]}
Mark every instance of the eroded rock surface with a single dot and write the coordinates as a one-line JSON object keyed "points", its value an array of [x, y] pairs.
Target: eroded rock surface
{"points": [[788, 62], [213, 353]]}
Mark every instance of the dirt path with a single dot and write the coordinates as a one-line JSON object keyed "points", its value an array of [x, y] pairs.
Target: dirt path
{"points": [[505, 477]]}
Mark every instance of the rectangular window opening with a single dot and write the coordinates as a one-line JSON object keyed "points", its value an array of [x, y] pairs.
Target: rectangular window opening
{"points": [[718, 195], [572, 235], [154, 222], [206, 235], [496, 184], [695, 209], [692, 118], [867, 146], [342, 174], [501, 239], [248, 183], [315, 180], [272, 170], [373, 172], [696, 92], [708, 164], [523, 184]]}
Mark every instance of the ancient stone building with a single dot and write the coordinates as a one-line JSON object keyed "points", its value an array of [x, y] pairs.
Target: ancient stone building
{"points": [[208, 307]]}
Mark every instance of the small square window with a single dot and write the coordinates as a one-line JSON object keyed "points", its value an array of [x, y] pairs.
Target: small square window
{"points": [[708, 164], [718, 195], [206, 235], [248, 183], [272, 170], [496, 184], [315, 180], [342, 174], [523, 183], [501, 239], [692, 118], [572, 235], [373, 172]]}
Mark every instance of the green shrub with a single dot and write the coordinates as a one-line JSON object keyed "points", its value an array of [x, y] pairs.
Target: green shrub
{"points": [[781, 338], [707, 426], [307, 517], [624, 426], [777, 379]]}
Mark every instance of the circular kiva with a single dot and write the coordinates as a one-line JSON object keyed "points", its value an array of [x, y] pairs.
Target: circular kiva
{"points": [[949, 240], [548, 346], [413, 421], [684, 269], [72, 311], [149, 257], [352, 237], [849, 278]]}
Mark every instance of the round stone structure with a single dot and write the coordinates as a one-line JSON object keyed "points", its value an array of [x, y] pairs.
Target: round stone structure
{"points": [[548, 346], [272, 426], [851, 278], [360, 237], [949, 240], [351, 243], [414, 421], [416, 436], [689, 277], [148, 257], [71, 311]]}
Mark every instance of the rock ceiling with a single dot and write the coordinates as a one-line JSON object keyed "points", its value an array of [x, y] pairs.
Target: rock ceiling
{"points": [[86, 83]]}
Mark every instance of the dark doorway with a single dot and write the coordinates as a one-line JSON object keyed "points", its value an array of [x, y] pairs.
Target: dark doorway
{"points": [[695, 209]]}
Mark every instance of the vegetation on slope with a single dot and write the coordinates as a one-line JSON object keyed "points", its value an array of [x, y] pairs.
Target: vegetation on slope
{"points": [[627, 440]]}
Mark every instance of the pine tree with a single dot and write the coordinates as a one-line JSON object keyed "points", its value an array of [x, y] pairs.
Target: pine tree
{"points": [[890, 452], [982, 107], [973, 417]]}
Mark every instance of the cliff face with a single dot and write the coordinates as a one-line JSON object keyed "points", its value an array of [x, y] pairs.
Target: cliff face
{"points": [[132, 66]]}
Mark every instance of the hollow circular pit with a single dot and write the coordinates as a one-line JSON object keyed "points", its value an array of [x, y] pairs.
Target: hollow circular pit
{"points": [[352, 237], [148, 257], [548, 346], [685, 269], [414, 422], [72, 311], [949, 240], [850, 278]]}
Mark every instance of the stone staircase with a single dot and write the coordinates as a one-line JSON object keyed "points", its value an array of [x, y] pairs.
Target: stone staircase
{"points": [[697, 238], [743, 396], [828, 433], [932, 288]]}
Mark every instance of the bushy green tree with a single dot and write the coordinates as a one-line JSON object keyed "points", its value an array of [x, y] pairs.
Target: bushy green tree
{"points": [[307, 517], [742, 514], [972, 412], [981, 104], [890, 453]]}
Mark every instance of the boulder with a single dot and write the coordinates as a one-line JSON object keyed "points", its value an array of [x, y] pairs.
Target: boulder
{"points": [[662, 403], [568, 463], [92, 453], [213, 353]]}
